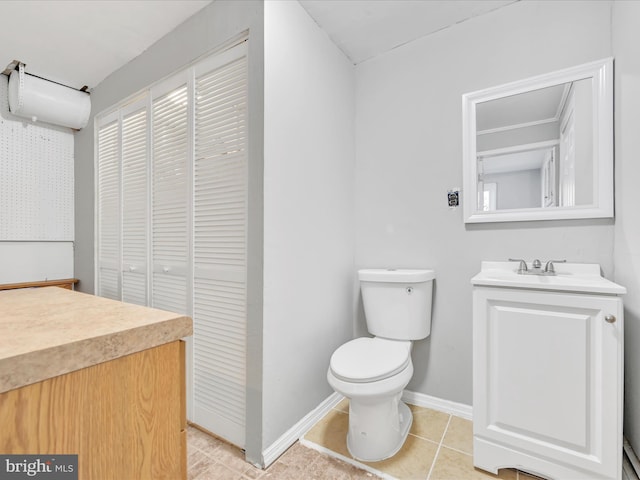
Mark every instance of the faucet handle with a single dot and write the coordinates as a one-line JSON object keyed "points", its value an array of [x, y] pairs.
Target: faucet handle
{"points": [[548, 268], [523, 265], [536, 263]]}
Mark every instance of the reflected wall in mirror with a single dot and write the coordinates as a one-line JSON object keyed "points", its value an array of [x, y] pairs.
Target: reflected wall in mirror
{"points": [[541, 148]]}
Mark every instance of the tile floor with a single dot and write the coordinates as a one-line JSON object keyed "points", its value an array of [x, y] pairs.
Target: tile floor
{"points": [[439, 447], [212, 459]]}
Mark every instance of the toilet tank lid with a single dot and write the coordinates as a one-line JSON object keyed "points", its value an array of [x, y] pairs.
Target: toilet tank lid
{"points": [[395, 275]]}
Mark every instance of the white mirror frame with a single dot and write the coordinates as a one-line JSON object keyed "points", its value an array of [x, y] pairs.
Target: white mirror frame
{"points": [[601, 73]]}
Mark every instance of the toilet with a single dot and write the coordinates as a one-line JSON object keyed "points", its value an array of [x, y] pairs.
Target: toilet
{"points": [[372, 372]]}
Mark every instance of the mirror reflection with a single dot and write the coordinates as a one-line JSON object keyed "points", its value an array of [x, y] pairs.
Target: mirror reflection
{"points": [[535, 149]]}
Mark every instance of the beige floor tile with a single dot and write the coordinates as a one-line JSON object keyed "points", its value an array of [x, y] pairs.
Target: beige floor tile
{"points": [[252, 472], [217, 471], [328, 468], [282, 471], [459, 435], [298, 457], [331, 432], [197, 462], [202, 441], [428, 423], [454, 465], [231, 457], [343, 406], [194, 455], [413, 461]]}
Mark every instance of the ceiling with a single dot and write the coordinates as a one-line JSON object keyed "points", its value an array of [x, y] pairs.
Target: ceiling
{"points": [[363, 29], [542, 105], [81, 42]]}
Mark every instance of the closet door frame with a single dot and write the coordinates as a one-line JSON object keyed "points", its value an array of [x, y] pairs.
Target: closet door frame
{"points": [[145, 100], [226, 281]]}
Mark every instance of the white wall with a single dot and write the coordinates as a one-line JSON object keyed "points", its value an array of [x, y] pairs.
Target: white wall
{"points": [[36, 198], [308, 212], [626, 45], [518, 189], [409, 152]]}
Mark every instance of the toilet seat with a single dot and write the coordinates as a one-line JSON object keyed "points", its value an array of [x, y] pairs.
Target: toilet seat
{"points": [[370, 359]]}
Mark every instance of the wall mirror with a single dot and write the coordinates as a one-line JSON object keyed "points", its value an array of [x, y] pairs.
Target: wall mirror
{"points": [[540, 148]]}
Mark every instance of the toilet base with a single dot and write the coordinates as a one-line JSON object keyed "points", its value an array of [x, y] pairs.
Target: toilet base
{"points": [[377, 429]]}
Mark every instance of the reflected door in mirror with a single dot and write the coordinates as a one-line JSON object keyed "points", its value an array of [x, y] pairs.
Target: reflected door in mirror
{"points": [[518, 140], [540, 148]]}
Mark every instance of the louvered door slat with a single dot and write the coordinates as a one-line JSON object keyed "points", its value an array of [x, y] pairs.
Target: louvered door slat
{"points": [[170, 225], [172, 215], [108, 275], [219, 248], [134, 211]]}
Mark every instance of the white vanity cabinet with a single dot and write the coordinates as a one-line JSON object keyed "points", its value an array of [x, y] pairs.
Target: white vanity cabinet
{"points": [[548, 372]]}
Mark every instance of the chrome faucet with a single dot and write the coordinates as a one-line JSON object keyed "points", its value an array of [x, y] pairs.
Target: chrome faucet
{"points": [[522, 268], [549, 269], [536, 267]]}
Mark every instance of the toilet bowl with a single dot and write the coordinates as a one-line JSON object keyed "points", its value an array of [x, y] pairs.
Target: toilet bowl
{"points": [[372, 372], [378, 420]]}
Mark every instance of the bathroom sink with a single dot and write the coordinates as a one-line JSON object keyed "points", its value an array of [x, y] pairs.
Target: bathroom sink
{"points": [[570, 277]]}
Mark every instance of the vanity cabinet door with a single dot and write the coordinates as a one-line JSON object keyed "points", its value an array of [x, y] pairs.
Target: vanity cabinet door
{"points": [[548, 382]]}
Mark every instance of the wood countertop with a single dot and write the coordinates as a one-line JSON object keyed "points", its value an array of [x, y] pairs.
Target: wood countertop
{"points": [[46, 332]]}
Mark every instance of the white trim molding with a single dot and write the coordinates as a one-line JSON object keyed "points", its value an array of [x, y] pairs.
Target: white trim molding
{"points": [[601, 75], [349, 460], [435, 403], [631, 464], [288, 438]]}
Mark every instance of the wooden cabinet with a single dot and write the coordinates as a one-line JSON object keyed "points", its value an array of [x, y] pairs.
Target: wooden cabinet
{"points": [[124, 418], [548, 378], [67, 283]]}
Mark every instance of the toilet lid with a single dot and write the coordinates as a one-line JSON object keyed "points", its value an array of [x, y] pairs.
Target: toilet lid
{"points": [[369, 359]]}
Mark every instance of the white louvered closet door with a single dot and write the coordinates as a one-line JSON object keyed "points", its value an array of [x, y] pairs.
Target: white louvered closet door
{"points": [[170, 237], [108, 206], [219, 244], [134, 203]]}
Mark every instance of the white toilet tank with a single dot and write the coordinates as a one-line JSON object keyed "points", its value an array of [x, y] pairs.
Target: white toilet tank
{"points": [[397, 303]]}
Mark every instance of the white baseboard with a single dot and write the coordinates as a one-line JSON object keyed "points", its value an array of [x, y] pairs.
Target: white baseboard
{"points": [[446, 406], [631, 465], [277, 448], [288, 438]]}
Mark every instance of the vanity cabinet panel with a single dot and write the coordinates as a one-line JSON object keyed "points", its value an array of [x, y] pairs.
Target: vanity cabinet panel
{"points": [[125, 418], [548, 382]]}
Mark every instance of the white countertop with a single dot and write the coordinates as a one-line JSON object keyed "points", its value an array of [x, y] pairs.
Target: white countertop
{"points": [[570, 277]]}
